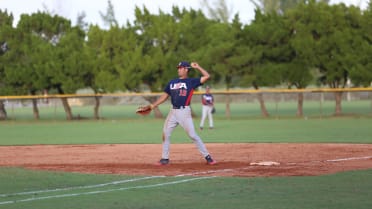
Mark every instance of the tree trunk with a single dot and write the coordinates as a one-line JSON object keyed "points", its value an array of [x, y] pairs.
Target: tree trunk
{"points": [[35, 109], [300, 104], [262, 105], [67, 108], [228, 110], [338, 99], [156, 110], [96, 107], [157, 113], [3, 114]]}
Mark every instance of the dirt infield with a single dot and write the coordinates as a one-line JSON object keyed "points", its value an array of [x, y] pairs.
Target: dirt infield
{"points": [[233, 159]]}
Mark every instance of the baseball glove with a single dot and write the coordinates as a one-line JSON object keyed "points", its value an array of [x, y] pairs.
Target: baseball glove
{"points": [[144, 110]]}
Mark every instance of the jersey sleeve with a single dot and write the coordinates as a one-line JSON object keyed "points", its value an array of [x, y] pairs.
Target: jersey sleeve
{"points": [[196, 83]]}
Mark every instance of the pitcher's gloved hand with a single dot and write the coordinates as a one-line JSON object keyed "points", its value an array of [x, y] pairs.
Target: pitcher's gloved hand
{"points": [[144, 110]]}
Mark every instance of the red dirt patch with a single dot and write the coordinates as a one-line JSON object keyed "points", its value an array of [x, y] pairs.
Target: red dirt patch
{"points": [[233, 159]]}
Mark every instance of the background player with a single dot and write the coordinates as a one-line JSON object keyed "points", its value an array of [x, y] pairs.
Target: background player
{"points": [[181, 90], [207, 107]]}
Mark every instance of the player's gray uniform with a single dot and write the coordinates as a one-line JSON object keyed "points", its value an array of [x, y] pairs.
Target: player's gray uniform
{"points": [[207, 108], [181, 91], [182, 117]]}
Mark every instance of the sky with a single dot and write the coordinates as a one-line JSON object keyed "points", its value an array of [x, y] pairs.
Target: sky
{"points": [[124, 9]]}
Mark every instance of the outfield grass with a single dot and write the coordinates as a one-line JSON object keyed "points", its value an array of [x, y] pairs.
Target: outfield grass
{"points": [[148, 130], [35, 189]]}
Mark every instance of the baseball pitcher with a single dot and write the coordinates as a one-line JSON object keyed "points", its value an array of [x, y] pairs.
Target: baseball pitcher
{"points": [[180, 91]]}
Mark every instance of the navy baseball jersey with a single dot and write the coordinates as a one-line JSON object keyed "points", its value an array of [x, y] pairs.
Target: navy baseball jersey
{"points": [[207, 99], [181, 90]]}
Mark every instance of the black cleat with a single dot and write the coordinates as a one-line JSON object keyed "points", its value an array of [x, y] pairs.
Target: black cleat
{"points": [[163, 162], [210, 161]]}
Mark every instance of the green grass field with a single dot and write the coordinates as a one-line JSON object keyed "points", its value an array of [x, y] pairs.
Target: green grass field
{"points": [[148, 130], [34, 189], [20, 188]]}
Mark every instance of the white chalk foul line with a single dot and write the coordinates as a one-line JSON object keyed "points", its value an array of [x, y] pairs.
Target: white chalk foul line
{"points": [[80, 187], [110, 183], [138, 187], [105, 191], [336, 160], [350, 158], [206, 172], [332, 160]]}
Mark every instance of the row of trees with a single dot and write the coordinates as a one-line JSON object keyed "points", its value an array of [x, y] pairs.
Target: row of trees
{"points": [[309, 42]]}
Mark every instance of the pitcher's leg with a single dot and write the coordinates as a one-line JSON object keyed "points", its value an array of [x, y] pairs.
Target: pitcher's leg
{"points": [[188, 125], [169, 125], [199, 144], [202, 149]]}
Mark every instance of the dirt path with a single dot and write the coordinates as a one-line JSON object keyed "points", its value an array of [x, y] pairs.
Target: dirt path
{"points": [[233, 159]]}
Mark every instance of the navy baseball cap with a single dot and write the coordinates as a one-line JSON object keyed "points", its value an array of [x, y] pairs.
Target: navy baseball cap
{"points": [[184, 64]]}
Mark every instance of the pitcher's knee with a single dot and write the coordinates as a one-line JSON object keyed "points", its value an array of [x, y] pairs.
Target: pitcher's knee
{"points": [[195, 137]]}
